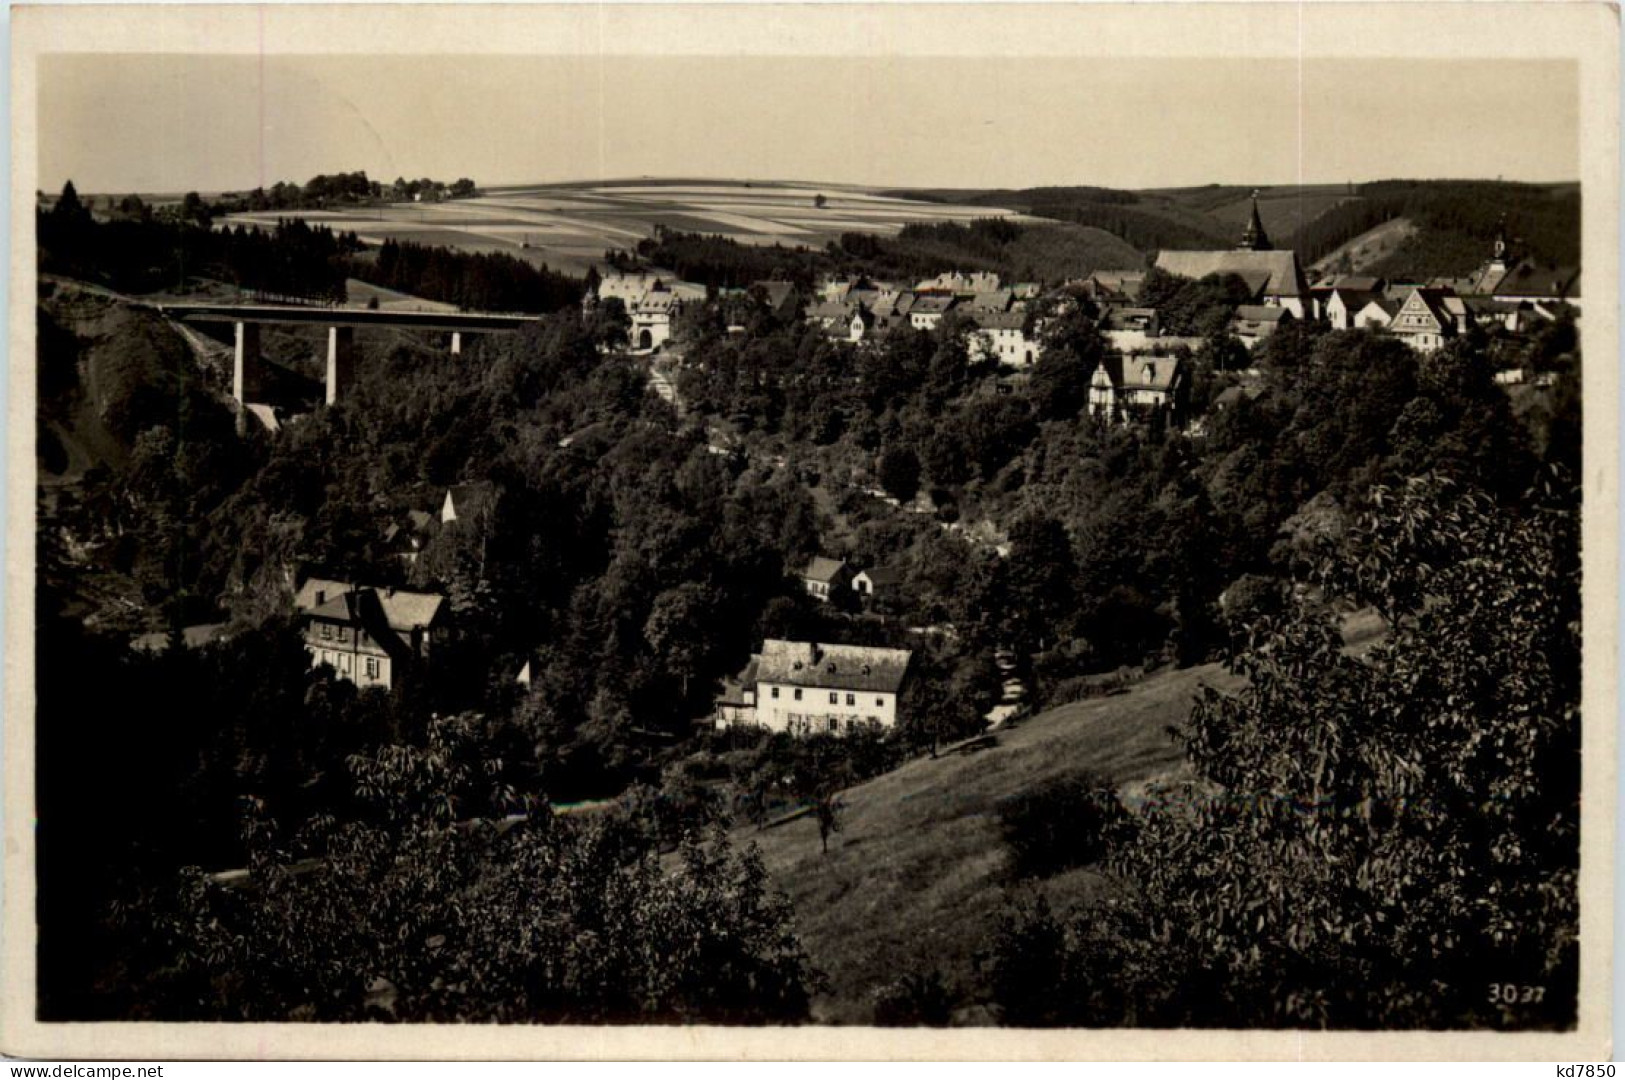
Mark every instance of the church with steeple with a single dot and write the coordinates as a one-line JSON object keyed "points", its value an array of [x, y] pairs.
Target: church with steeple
{"points": [[1274, 277]]}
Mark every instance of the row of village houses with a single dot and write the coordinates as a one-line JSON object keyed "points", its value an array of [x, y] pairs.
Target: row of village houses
{"points": [[1504, 291]]}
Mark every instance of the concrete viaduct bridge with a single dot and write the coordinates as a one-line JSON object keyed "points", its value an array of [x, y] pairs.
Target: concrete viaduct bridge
{"points": [[247, 369]]}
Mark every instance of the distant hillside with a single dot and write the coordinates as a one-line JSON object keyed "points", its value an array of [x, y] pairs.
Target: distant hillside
{"points": [[1455, 220]]}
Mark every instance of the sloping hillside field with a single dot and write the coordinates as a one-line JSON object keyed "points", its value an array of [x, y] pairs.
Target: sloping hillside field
{"points": [[570, 227], [917, 877]]}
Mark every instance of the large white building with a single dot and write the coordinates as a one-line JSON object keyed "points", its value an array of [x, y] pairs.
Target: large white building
{"points": [[804, 687], [1002, 335]]}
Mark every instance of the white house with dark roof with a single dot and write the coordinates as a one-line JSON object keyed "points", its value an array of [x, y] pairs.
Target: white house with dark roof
{"points": [[823, 575], [804, 687], [927, 311], [1377, 314], [1002, 336], [368, 635], [876, 581], [1340, 303]]}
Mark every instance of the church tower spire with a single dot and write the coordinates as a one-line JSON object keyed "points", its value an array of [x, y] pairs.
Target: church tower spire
{"points": [[1254, 239]]}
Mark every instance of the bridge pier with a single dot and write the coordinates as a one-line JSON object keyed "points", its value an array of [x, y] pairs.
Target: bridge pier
{"points": [[247, 369], [340, 361], [456, 343]]}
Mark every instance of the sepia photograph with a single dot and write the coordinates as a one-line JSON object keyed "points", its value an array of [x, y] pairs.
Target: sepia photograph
{"points": [[972, 530]]}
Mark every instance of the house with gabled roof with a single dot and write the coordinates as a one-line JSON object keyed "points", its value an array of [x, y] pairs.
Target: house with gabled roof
{"points": [[822, 576], [1428, 318], [1110, 288], [927, 311], [736, 704], [368, 635], [1138, 388], [1340, 303], [1378, 313], [876, 582]]}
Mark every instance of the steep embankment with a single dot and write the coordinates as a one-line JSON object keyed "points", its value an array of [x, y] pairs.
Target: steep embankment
{"points": [[106, 371], [916, 878]]}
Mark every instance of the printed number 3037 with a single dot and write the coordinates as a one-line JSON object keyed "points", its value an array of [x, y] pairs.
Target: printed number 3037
{"points": [[1513, 994]]}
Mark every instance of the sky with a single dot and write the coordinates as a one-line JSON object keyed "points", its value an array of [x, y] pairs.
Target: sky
{"points": [[150, 123]]}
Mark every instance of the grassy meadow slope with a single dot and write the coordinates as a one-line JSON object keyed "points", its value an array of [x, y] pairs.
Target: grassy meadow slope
{"points": [[917, 877]]}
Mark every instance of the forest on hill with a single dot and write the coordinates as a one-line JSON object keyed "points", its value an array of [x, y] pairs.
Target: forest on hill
{"points": [[1458, 219], [137, 250]]}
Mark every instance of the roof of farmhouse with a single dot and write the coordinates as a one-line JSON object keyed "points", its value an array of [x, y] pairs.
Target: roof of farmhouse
{"points": [[832, 667], [1150, 372], [822, 568], [399, 609]]}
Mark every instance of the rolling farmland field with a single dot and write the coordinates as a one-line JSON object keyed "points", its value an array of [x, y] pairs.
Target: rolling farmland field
{"points": [[569, 227]]}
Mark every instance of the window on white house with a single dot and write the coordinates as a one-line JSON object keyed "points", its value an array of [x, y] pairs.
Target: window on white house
{"points": [[880, 702], [835, 723], [344, 635], [851, 699], [798, 693], [775, 693], [833, 696], [327, 632], [372, 668]]}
